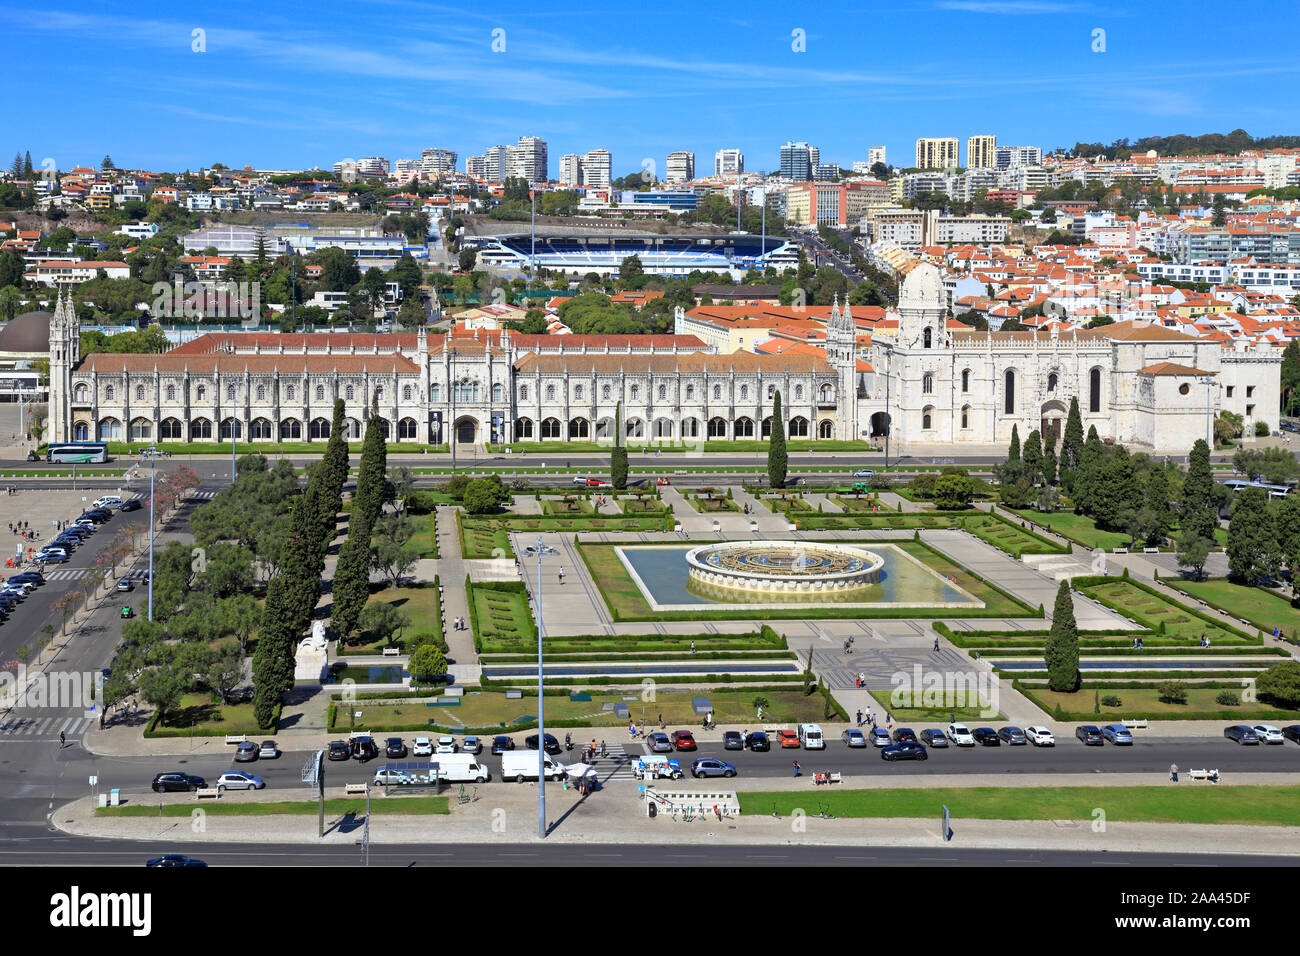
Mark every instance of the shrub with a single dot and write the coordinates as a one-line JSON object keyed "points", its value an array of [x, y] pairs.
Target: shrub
{"points": [[1110, 700], [1261, 429], [1227, 698], [1172, 691]]}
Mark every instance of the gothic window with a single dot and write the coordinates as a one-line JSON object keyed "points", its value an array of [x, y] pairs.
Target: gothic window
{"points": [[663, 392], [1094, 391], [690, 393], [80, 395], [498, 393], [577, 393], [406, 397], [435, 393], [798, 393], [636, 392], [201, 394], [379, 393], [261, 393], [1009, 398], [744, 393], [139, 393], [320, 393], [927, 418], [347, 393], [965, 416], [1051, 382], [965, 380], [171, 393], [550, 393], [604, 392], [108, 393], [717, 392], [927, 338], [289, 393], [927, 384], [523, 394], [771, 392], [230, 393]]}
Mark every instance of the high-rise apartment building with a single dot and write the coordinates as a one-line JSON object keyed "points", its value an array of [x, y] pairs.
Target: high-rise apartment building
{"points": [[1008, 157], [826, 172], [526, 160], [596, 169], [728, 162], [937, 153], [570, 170], [436, 162], [980, 152], [680, 167], [876, 154], [372, 166], [797, 162]]}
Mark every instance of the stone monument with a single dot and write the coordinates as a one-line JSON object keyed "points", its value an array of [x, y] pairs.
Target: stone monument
{"points": [[311, 661]]}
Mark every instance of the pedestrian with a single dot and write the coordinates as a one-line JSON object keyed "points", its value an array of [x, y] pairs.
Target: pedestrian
{"points": [[859, 717], [631, 729], [63, 739], [692, 647], [936, 645], [889, 718], [1173, 772], [561, 575], [796, 768]]}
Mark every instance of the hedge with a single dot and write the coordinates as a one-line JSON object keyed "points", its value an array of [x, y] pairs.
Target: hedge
{"points": [[1088, 581]]}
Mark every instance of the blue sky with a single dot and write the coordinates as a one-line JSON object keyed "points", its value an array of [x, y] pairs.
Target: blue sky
{"points": [[299, 85]]}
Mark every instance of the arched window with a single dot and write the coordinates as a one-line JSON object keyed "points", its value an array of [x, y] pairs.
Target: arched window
{"points": [[717, 392], [261, 393], [799, 427], [744, 393], [579, 428], [771, 392], [139, 393], [523, 395], [550, 393], [524, 428], [635, 428], [200, 429], [379, 393], [108, 393], [663, 392], [289, 393], [230, 429], [110, 429], [79, 395], [717, 428], [353, 429], [927, 418], [171, 393], [690, 393], [551, 428], [636, 393], [1051, 381], [1094, 391], [406, 393], [141, 429], [319, 429], [965, 380], [81, 432], [498, 393], [435, 393], [927, 384], [171, 430], [382, 425], [604, 392], [744, 428], [261, 430], [407, 430], [201, 394], [320, 393], [825, 428], [690, 428], [927, 338], [230, 393], [290, 430], [577, 393], [827, 393], [965, 416], [765, 430], [1009, 398], [347, 393], [798, 393]]}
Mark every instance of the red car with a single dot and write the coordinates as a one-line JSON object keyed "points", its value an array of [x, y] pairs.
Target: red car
{"points": [[683, 740], [594, 482], [662, 481], [789, 739]]}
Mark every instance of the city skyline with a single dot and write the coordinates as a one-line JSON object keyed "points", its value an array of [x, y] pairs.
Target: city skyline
{"points": [[440, 82]]}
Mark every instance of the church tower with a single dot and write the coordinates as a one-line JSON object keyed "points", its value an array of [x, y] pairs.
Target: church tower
{"points": [[920, 309], [842, 353], [65, 354]]}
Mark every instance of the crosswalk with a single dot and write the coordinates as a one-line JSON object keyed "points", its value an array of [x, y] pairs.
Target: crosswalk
{"points": [[33, 727], [617, 762], [76, 574]]}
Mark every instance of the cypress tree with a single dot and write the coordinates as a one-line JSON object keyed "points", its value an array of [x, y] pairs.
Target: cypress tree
{"points": [[618, 455], [1253, 552], [351, 583], [777, 460], [1087, 481], [1157, 499], [371, 477], [1061, 652], [1072, 440], [334, 468], [1118, 492], [1049, 460], [1198, 513], [1013, 453], [1032, 456]]}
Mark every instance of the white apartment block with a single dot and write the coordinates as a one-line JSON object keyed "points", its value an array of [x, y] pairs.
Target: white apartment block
{"points": [[527, 160], [570, 170], [437, 162], [728, 162], [596, 167], [875, 154], [680, 166], [980, 230], [1005, 157]]}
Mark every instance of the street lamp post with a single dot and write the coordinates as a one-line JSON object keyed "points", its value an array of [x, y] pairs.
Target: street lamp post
{"points": [[541, 727], [889, 416], [1209, 422], [153, 464]]}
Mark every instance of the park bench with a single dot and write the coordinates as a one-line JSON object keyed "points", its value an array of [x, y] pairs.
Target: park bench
{"points": [[236, 738], [392, 651], [207, 792], [1135, 724], [1150, 550], [354, 789], [1119, 550], [1211, 775]]}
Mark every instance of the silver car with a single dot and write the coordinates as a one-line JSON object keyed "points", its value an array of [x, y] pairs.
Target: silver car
{"points": [[853, 738], [238, 780]]}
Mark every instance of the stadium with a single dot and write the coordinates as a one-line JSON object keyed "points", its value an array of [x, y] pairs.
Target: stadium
{"points": [[660, 255]]}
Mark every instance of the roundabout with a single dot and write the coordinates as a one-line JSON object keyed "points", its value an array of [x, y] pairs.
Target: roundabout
{"points": [[783, 569]]}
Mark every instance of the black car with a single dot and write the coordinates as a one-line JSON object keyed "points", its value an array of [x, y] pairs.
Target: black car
{"points": [[174, 859], [1090, 735], [1292, 732], [395, 747], [552, 745], [1012, 735], [132, 505], [364, 748], [1241, 734], [32, 456], [906, 750], [758, 741], [731, 740], [98, 515], [904, 735], [28, 577], [501, 744], [986, 737], [176, 780], [339, 750]]}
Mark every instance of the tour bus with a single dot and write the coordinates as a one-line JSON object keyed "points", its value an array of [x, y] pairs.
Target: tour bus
{"points": [[78, 452]]}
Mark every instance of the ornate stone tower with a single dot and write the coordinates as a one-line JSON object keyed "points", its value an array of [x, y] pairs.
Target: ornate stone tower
{"points": [[842, 353], [65, 353], [920, 309]]}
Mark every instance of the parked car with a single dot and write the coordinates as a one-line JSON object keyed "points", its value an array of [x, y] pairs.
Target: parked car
{"points": [[471, 745], [1268, 734], [712, 767], [757, 741], [174, 859], [1241, 734], [879, 737], [364, 748], [268, 750], [907, 750], [579, 479], [422, 747], [960, 736], [788, 739], [125, 585], [552, 745], [1012, 735], [132, 505], [246, 752], [731, 740], [987, 737], [659, 743], [933, 737], [853, 737], [684, 740], [176, 780], [1292, 732], [1040, 736], [339, 750], [1117, 734], [107, 501], [903, 734], [864, 473], [395, 747], [33, 577], [1090, 735], [501, 744], [446, 745], [238, 780]]}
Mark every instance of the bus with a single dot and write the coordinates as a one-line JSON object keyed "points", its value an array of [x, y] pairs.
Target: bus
{"points": [[78, 452], [1274, 491]]}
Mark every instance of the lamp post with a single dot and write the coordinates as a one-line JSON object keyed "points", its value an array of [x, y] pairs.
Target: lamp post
{"points": [[889, 416], [541, 728], [1209, 422], [153, 464]]}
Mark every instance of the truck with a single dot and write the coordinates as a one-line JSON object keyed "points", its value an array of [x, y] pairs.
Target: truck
{"points": [[521, 765]]}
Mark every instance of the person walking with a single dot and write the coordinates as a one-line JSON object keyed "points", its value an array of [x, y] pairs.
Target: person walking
{"points": [[859, 717], [692, 647], [936, 645], [796, 768], [561, 575], [63, 739], [1173, 772]]}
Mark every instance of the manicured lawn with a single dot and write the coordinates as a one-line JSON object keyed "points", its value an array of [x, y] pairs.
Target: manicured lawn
{"points": [[884, 521], [233, 806], [650, 504], [1183, 803], [197, 711], [1264, 609], [713, 505], [482, 537], [1006, 536], [1078, 528], [567, 506], [503, 618], [491, 709], [931, 709], [1138, 702], [1151, 611], [576, 522], [423, 539], [420, 604], [866, 504]]}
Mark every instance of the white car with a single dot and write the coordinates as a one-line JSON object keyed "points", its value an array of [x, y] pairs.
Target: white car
{"points": [[108, 501], [238, 780], [446, 745], [1268, 734], [422, 747], [579, 479], [960, 736], [1040, 736]]}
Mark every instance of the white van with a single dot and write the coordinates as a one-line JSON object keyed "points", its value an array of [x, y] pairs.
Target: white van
{"points": [[521, 765], [108, 501], [657, 765], [810, 735], [461, 768]]}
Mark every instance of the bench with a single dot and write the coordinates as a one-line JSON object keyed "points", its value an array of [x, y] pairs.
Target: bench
{"points": [[1119, 550], [1211, 775], [354, 789], [207, 792], [1132, 724], [236, 738], [392, 651], [1150, 550]]}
